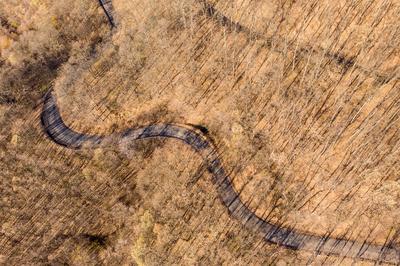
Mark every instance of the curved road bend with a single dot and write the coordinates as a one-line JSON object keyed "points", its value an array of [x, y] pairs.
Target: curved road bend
{"points": [[60, 133]]}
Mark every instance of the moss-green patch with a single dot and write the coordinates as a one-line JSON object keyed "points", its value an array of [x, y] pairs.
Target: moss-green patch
{"points": [[144, 239], [233, 244]]}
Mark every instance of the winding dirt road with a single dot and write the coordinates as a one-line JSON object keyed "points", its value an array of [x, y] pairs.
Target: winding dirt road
{"points": [[60, 133]]}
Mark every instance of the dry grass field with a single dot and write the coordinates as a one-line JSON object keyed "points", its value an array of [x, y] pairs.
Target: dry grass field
{"points": [[302, 100]]}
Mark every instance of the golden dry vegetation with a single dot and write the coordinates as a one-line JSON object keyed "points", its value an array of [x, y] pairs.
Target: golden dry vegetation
{"points": [[302, 101]]}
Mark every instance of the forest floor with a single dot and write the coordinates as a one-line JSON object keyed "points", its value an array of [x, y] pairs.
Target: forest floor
{"points": [[303, 103]]}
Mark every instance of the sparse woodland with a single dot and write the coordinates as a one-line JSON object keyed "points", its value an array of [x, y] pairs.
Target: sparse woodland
{"points": [[302, 100]]}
